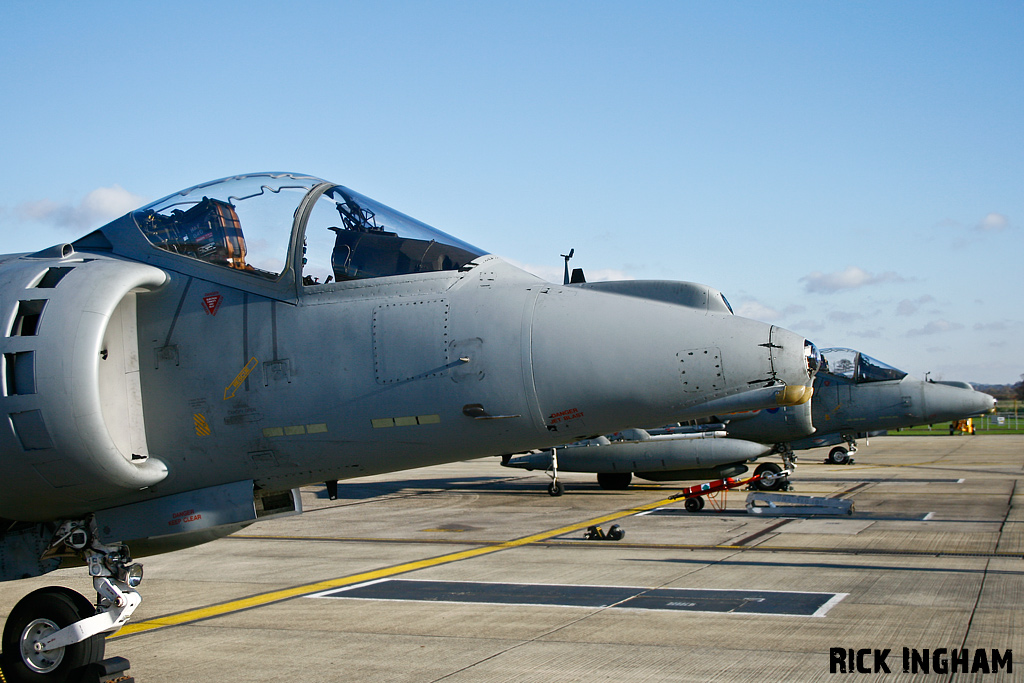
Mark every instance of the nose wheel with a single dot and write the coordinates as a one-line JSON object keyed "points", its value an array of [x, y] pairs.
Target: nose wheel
{"points": [[772, 478], [37, 617], [842, 455]]}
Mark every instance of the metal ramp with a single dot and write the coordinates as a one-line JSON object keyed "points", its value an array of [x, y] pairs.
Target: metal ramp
{"points": [[781, 504]]}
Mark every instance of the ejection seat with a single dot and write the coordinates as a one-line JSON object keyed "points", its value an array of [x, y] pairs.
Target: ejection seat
{"points": [[209, 231]]}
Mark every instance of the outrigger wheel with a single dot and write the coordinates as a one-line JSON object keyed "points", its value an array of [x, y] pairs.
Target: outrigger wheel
{"points": [[555, 488], [770, 479], [36, 616]]}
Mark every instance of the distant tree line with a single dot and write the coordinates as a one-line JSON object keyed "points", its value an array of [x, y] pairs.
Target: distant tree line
{"points": [[1004, 392]]}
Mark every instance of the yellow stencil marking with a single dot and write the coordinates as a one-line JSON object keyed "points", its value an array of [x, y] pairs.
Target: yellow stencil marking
{"points": [[237, 382], [408, 421], [202, 426]]}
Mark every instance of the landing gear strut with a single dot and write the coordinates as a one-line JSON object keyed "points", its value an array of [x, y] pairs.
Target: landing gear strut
{"points": [[788, 457], [555, 488], [54, 633]]}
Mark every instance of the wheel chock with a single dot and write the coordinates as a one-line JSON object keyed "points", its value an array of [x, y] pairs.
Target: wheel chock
{"points": [[110, 670], [596, 533]]}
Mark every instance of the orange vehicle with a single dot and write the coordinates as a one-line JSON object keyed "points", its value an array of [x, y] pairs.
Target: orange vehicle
{"points": [[963, 426]]}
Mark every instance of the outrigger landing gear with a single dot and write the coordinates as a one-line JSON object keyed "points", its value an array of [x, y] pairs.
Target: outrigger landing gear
{"points": [[55, 635], [555, 488]]}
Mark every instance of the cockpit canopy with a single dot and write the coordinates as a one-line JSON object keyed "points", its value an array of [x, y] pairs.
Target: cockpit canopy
{"points": [[244, 223], [857, 366]]}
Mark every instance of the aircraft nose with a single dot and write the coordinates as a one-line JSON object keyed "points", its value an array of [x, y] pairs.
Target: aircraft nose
{"points": [[945, 402], [602, 362]]}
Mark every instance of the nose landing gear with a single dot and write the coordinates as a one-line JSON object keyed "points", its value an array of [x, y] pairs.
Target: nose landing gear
{"points": [[842, 456], [53, 634]]}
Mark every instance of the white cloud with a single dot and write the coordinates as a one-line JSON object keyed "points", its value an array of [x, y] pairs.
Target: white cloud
{"points": [[910, 307], [994, 222], [850, 278], [757, 311], [99, 206], [845, 316], [807, 326], [935, 327], [998, 326]]}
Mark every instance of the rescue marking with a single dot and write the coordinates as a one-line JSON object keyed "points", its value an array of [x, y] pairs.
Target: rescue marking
{"points": [[240, 378], [202, 426], [262, 599], [211, 302]]}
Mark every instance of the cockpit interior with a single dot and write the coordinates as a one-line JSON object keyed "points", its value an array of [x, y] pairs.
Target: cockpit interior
{"points": [[245, 223], [857, 366]]}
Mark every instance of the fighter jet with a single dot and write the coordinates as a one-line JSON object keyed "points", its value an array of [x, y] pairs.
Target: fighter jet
{"points": [[854, 395], [176, 374]]}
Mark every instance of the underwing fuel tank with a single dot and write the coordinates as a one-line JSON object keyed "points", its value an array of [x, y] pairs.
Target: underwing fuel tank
{"points": [[653, 454]]}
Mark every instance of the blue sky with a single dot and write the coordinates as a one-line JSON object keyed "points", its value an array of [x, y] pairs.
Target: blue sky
{"points": [[851, 171]]}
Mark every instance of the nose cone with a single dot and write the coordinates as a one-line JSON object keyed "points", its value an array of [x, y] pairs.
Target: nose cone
{"points": [[954, 401], [603, 362]]}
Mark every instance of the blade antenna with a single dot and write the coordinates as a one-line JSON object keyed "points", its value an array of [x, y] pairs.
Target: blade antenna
{"points": [[565, 277]]}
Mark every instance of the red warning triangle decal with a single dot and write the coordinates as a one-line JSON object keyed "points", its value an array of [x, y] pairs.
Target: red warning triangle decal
{"points": [[211, 302]]}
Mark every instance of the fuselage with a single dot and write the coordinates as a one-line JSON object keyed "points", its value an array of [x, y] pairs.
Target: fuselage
{"points": [[163, 361]]}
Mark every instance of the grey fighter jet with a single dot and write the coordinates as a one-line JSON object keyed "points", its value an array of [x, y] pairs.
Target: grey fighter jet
{"points": [[854, 395], [174, 375]]}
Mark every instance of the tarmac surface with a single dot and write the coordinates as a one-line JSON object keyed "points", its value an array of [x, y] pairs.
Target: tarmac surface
{"points": [[472, 572]]}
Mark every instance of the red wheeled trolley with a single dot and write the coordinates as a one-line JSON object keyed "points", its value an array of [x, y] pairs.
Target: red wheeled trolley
{"points": [[715, 491]]}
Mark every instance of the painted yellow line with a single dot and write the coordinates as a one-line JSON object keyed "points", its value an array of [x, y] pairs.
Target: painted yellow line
{"points": [[297, 591]]}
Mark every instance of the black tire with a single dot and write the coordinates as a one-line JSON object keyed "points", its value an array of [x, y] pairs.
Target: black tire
{"points": [[693, 504], [614, 481], [45, 611], [556, 489], [838, 455], [616, 533], [770, 483]]}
